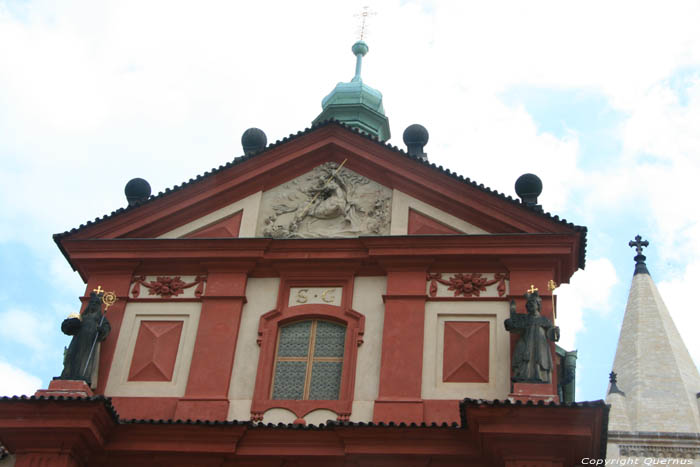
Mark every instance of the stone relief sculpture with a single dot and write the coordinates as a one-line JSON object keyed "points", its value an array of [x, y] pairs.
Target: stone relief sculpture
{"points": [[329, 201]]}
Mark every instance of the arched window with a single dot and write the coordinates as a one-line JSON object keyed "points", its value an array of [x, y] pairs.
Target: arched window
{"points": [[309, 361], [308, 351]]}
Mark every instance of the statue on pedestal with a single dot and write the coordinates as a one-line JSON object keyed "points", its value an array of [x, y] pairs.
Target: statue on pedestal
{"points": [[532, 358], [87, 330]]}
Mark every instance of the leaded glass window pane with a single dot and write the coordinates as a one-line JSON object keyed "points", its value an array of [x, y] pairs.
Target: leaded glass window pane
{"points": [[289, 380], [314, 345], [330, 339], [294, 340], [325, 380]]}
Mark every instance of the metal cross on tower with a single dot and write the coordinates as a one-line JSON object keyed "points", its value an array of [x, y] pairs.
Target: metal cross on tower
{"points": [[364, 15], [639, 243]]}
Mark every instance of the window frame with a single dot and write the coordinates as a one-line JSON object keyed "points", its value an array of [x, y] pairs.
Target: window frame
{"points": [[268, 338]]}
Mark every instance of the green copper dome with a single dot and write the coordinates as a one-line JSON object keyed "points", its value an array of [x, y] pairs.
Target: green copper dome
{"points": [[357, 104]]}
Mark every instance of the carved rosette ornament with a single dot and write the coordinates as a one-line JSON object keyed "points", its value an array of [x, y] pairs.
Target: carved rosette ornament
{"points": [[329, 201], [467, 284], [167, 287]]}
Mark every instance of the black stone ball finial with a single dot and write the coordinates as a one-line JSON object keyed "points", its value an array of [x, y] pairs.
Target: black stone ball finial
{"points": [[253, 141], [137, 190], [528, 187], [641, 266], [416, 137]]}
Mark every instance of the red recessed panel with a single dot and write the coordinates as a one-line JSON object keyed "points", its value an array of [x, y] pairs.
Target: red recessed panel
{"points": [[466, 353], [225, 228], [419, 224], [155, 351]]}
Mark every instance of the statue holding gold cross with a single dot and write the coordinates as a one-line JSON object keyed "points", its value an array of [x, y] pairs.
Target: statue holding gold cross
{"points": [[532, 357], [87, 330]]}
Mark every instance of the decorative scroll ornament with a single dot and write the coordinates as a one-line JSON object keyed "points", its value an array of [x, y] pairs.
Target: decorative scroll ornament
{"points": [[166, 286], [467, 284], [329, 201]]}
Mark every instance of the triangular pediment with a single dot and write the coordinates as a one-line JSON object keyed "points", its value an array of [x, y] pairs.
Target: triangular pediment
{"points": [[421, 224], [327, 182]]}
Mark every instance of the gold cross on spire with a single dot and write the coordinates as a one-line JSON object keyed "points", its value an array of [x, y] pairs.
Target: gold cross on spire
{"points": [[364, 14], [98, 290], [532, 289]]}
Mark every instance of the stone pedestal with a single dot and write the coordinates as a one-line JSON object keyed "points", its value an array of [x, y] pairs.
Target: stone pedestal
{"points": [[534, 392], [66, 388]]}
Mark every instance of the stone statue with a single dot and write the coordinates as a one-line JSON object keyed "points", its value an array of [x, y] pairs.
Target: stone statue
{"points": [[532, 358], [87, 330]]}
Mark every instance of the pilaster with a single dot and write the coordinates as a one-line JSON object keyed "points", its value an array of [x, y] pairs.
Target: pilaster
{"points": [[206, 395], [401, 370]]}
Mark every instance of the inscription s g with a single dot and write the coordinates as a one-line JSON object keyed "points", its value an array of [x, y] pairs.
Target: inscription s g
{"points": [[301, 296], [327, 296]]}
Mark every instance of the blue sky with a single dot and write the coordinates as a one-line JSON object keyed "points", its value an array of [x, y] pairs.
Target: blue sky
{"points": [[601, 101]]}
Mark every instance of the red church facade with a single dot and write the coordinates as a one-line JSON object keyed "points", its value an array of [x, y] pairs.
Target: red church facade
{"points": [[380, 312]]}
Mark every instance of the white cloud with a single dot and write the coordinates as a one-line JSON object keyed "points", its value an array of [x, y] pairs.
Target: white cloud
{"points": [[25, 328], [17, 382], [679, 296], [575, 299]]}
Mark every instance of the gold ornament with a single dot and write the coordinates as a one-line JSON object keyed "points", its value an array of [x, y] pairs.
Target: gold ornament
{"points": [[109, 298]]}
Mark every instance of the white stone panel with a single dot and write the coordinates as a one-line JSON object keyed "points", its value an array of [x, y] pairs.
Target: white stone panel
{"points": [[118, 385], [261, 295], [367, 299], [315, 295], [401, 203], [278, 415], [239, 410], [436, 314], [250, 206], [362, 411], [319, 416]]}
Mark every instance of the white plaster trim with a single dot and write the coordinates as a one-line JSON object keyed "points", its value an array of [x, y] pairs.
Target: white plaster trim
{"points": [[261, 294], [319, 416], [362, 411], [250, 206], [401, 203], [279, 415], [367, 299], [118, 384], [239, 409], [436, 314]]}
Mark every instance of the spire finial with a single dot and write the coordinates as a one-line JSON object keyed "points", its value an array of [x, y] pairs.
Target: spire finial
{"points": [[364, 16], [638, 244], [360, 48], [613, 384]]}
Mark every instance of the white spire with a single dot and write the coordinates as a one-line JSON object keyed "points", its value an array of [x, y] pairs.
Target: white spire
{"points": [[654, 369]]}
